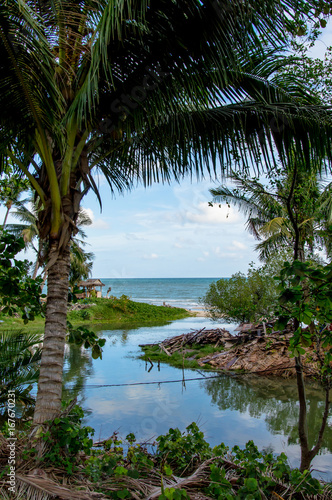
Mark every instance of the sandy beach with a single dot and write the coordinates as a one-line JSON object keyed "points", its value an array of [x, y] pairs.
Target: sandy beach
{"points": [[200, 313]]}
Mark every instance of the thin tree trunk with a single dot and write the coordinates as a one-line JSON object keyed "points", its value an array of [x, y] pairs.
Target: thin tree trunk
{"points": [[317, 447], [48, 403], [38, 260], [44, 280], [302, 424], [306, 453], [35, 269], [9, 206]]}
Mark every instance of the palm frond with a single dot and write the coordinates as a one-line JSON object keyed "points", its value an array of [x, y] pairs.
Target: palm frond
{"points": [[29, 97], [272, 245], [19, 364], [150, 92], [276, 226]]}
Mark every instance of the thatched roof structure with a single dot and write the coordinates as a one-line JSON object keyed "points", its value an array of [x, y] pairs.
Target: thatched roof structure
{"points": [[91, 283]]}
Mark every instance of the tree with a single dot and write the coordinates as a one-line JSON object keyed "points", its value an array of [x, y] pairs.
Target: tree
{"points": [[305, 299], [292, 211], [18, 292], [296, 214], [11, 187], [138, 90], [316, 72], [28, 229], [242, 298], [80, 261]]}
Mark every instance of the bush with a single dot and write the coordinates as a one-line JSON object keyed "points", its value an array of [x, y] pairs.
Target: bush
{"points": [[242, 298]]}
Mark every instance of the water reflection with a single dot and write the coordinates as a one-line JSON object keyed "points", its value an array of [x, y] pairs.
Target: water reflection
{"points": [[230, 409], [275, 399], [78, 369]]}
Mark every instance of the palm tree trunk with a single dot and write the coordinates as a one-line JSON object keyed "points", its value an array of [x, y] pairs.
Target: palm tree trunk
{"points": [[44, 280], [9, 206], [48, 403], [35, 269]]}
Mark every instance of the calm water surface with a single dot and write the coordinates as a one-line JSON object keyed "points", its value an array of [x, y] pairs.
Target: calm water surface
{"points": [[228, 409], [177, 292]]}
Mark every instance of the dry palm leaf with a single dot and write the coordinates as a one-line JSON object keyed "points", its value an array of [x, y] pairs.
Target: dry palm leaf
{"points": [[41, 488]]}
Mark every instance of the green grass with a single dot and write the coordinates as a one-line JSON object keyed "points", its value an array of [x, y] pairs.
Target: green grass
{"points": [[116, 312], [180, 359], [12, 323], [123, 311]]}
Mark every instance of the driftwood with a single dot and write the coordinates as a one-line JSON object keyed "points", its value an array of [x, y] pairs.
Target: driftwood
{"points": [[265, 355], [253, 350], [201, 337]]}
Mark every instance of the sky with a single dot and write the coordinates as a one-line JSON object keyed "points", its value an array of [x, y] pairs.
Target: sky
{"points": [[169, 231]]}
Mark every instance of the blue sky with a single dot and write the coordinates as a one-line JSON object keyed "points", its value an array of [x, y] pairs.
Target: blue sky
{"points": [[166, 231]]}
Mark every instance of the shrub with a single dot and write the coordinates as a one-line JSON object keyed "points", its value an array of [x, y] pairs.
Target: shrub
{"points": [[242, 298]]}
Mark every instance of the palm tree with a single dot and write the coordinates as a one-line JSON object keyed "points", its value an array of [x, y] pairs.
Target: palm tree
{"points": [[80, 261], [11, 187], [291, 212], [138, 90], [19, 365], [28, 229]]}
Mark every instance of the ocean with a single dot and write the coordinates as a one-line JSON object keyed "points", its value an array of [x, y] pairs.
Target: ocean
{"points": [[176, 292]]}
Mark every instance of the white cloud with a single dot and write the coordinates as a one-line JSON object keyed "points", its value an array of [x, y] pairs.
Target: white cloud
{"points": [[216, 214], [204, 258], [100, 224], [321, 45], [228, 252], [96, 223], [239, 245], [151, 256], [144, 219], [162, 231]]}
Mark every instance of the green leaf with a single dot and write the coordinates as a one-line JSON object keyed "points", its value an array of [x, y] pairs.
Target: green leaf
{"points": [[298, 351], [306, 317], [121, 471], [281, 322], [123, 493], [96, 352], [168, 471], [251, 484], [133, 473]]}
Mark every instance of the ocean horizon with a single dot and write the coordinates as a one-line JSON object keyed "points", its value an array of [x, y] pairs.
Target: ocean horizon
{"points": [[176, 292]]}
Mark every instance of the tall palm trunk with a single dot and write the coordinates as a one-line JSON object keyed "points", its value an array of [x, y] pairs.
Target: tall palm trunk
{"points": [[51, 369], [37, 263], [9, 206]]}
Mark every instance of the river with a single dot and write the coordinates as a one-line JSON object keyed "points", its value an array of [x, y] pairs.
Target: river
{"points": [[120, 393]]}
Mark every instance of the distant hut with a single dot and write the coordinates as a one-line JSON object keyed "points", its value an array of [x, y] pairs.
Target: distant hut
{"points": [[90, 285]]}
